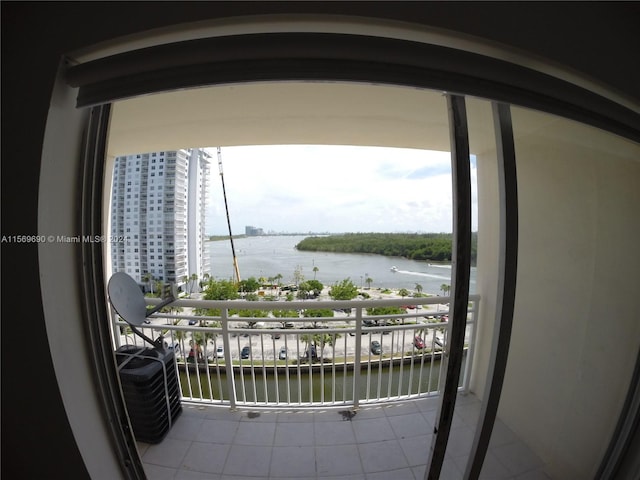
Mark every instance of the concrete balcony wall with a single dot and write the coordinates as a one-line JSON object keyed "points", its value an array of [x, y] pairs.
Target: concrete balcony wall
{"points": [[576, 332]]}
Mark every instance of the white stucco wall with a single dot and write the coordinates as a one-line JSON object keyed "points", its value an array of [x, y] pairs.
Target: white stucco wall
{"points": [[61, 284], [576, 332]]}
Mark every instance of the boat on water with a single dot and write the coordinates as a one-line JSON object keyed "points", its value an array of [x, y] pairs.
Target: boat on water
{"points": [[394, 269]]}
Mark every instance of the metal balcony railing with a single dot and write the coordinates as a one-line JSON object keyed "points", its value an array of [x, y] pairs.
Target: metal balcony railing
{"points": [[239, 353]]}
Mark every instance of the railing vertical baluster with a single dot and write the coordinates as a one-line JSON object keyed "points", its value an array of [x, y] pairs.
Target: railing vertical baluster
{"points": [[226, 343], [309, 356], [298, 367], [208, 371], [275, 370], [400, 352], [411, 365], [321, 371], [390, 382], [264, 369], [423, 335], [344, 372], [253, 372], [431, 360], [333, 368], [218, 376], [356, 361], [286, 371], [241, 372]]}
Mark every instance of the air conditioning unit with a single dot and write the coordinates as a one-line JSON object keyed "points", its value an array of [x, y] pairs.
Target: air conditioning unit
{"points": [[151, 390]]}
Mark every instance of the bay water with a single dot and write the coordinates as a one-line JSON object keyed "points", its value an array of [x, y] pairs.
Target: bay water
{"points": [[270, 255]]}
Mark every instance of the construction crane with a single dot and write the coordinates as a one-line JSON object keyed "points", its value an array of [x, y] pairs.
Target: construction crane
{"points": [[226, 206]]}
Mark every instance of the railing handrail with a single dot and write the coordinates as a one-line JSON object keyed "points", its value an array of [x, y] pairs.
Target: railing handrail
{"points": [[302, 304]]}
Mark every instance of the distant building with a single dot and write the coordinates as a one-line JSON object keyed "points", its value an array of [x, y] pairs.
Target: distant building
{"points": [[158, 205], [250, 231]]}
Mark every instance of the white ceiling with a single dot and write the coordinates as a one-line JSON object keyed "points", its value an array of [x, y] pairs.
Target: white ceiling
{"points": [[277, 113]]}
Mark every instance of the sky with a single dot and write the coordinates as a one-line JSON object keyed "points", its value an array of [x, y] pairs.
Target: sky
{"points": [[334, 189]]}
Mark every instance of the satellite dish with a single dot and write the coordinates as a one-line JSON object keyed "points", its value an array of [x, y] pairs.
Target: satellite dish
{"points": [[128, 301]]}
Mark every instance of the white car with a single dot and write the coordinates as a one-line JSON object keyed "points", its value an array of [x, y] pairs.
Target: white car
{"points": [[220, 352], [283, 353]]}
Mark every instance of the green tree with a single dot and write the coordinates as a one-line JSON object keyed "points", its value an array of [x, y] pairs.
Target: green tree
{"points": [[252, 314], [308, 340], [249, 285], [315, 270], [445, 289], [218, 290], [418, 288], [304, 290], [345, 290], [323, 339], [193, 282], [309, 289], [284, 314], [315, 286], [147, 277], [403, 292], [317, 313], [221, 290], [368, 280], [329, 339], [388, 311]]}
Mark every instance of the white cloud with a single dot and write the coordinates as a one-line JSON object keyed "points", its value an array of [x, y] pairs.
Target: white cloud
{"points": [[302, 188]]}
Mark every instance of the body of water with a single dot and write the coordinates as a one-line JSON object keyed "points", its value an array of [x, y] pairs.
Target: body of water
{"points": [[268, 256]]}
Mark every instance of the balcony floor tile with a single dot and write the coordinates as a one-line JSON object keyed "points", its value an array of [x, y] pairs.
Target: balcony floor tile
{"points": [[377, 443]]}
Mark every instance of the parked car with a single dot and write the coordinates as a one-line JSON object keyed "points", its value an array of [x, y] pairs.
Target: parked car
{"points": [[283, 353], [376, 348], [418, 342], [220, 352], [314, 353], [245, 353], [192, 322]]}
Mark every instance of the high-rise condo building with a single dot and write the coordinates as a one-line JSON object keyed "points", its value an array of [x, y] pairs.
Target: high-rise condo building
{"points": [[158, 205]]}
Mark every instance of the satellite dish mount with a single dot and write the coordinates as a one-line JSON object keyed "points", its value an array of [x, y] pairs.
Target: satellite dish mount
{"points": [[128, 302]]}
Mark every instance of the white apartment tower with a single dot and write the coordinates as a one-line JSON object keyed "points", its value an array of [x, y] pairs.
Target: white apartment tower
{"points": [[158, 205]]}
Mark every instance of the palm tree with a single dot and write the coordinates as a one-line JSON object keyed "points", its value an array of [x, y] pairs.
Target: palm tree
{"points": [[193, 281], [297, 275], [315, 270], [445, 289], [329, 339], [368, 281], [147, 277], [307, 338], [418, 288]]}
